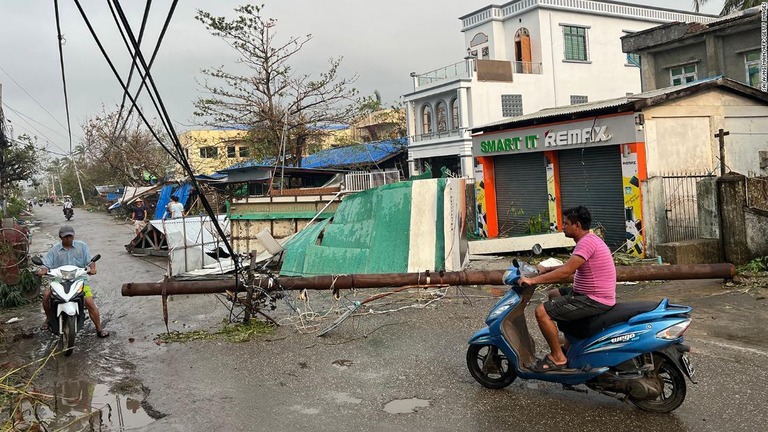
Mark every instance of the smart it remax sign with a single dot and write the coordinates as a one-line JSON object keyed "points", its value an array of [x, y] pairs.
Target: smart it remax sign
{"points": [[592, 133]]}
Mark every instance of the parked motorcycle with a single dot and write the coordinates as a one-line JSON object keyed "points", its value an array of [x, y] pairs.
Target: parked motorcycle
{"points": [[67, 302], [635, 349]]}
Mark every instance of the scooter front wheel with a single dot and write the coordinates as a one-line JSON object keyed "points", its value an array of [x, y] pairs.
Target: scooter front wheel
{"points": [[489, 366], [68, 335]]}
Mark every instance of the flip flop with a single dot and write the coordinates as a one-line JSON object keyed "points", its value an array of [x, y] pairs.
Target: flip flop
{"points": [[546, 364], [44, 326], [102, 334]]}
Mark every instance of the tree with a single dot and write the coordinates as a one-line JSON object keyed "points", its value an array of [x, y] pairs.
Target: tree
{"points": [[729, 6], [19, 162], [273, 101], [118, 150]]}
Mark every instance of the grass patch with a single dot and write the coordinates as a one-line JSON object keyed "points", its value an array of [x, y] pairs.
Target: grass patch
{"points": [[231, 332]]}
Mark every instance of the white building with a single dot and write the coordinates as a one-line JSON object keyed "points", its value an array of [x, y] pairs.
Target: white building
{"points": [[519, 58]]}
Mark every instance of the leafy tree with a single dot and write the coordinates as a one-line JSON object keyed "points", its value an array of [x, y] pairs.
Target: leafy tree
{"points": [[272, 100], [20, 162], [729, 6]]}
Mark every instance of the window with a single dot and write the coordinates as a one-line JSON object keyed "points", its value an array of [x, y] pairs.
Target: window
{"points": [[683, 74], [442, 117], [426, 119], [511, 105], [231, 152], [752, 60], [209, 152], [455, 114], [244, 152], [575, 43], [577, 99], [633, 59]]}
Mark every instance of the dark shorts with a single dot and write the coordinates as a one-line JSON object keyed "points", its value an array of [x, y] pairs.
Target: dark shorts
{"points": [[572, 306]]}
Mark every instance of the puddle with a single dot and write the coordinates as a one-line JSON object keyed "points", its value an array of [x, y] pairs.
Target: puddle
{"points": [[80, 405], [405, 406], [342, 364]]}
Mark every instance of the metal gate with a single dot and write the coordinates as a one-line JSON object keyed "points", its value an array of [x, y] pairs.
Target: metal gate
{"points": [[521, 192], [592, 177], [681, 205]]}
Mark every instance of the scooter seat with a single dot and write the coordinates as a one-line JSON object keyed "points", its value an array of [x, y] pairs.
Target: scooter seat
{"points": [[621, 312]]}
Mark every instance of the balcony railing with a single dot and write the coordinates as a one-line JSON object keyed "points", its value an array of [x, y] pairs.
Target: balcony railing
{"points": [[456, 70], [436, 135], [527, 67], [363, 180]]}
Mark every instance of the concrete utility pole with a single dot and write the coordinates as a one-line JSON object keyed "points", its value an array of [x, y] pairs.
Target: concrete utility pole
{"points": [[3, 201], [720, 135], [77, 173]]}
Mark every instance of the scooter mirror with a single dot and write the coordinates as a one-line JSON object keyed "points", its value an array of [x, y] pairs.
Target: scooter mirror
{"points": [[96, 258], [515, 263], [36, 260], [537, 249]]}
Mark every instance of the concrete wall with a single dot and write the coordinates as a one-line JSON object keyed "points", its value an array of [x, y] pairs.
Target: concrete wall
{"points": [[708, 208], [748, 126], [654, 214], [665, 60]]}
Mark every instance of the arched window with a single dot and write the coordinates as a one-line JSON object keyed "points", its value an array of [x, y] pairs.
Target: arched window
{"points": [[455, 114], [442, 117], [426, 119]]}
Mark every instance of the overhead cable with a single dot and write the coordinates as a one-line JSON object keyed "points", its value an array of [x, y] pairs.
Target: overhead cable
{"points": [[63, 76]]}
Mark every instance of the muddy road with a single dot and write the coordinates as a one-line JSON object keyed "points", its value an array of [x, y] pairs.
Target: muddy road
{"points": [[394, 371]]}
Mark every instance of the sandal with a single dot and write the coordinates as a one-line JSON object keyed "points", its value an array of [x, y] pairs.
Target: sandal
{"points": [[102, 334], [44, 326], [546, 364]]}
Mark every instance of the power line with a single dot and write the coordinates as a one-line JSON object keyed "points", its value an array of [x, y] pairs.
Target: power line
{"points": [[21, 114], [32, 97], [63, 77]]}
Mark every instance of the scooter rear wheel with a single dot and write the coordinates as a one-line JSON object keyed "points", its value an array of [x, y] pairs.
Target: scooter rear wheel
{"points": [[673, 388], [489, 366]]}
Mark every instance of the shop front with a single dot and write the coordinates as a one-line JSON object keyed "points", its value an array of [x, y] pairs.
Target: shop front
{"points": [[526, 176]]}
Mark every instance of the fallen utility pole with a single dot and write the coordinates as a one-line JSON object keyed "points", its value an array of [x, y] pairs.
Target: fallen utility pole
{"points": [[421, 279]]}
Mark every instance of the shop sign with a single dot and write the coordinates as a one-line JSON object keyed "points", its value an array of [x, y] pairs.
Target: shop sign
{"points": [[592, 132]]}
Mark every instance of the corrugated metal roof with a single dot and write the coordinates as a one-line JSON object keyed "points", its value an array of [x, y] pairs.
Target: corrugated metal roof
{"points": [[597, 105]]}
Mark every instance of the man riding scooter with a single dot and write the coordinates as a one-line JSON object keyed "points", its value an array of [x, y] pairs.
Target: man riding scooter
{"points": [[68, 208], [594, 286]]}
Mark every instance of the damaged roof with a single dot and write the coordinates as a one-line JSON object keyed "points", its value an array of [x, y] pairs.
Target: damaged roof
{"points": [[634, 102]]}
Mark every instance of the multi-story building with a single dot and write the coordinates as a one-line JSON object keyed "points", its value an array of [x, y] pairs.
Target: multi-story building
{"points": [[678, 53], [211, 150], [521, 57]]}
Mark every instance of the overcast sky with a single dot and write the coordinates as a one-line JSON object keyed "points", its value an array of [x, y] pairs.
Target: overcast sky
{"points": [[381, 42]]}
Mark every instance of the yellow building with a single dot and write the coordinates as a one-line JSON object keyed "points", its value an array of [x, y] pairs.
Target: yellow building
{"points": [[211, 150]]}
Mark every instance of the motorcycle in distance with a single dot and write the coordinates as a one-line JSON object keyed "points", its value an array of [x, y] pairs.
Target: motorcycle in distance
{"points": [[67, 302], [633, 351], [69, 212]]}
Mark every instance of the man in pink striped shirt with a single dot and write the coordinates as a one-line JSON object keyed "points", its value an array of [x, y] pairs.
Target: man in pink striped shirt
{"points": [[594, 285]]}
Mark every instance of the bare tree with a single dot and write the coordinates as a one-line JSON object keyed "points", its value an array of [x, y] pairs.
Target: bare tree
{"points": [[272, 101], [120, 155]]}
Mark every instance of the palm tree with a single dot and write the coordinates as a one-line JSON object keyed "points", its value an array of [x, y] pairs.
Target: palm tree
{"points": [[729, 6]]}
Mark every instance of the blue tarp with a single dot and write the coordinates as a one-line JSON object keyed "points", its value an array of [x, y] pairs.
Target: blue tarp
{"points": [[348, 156], [165, 197]]}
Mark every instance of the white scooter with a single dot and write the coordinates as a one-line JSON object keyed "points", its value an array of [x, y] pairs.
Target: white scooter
{"points": [[67, 302]]}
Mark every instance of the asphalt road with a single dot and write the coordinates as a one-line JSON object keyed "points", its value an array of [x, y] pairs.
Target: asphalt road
{"points": [[396, 371]]}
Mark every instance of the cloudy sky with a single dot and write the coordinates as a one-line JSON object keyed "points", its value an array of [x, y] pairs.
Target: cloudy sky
{"points": [[380, 41]]}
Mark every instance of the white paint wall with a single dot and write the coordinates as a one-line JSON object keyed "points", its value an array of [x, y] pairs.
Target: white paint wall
{"points": [[748, 126]]}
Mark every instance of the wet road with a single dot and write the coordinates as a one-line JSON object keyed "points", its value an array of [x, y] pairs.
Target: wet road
{"points": [[348, 380]]}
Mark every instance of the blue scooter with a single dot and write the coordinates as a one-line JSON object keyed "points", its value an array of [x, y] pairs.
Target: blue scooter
{"points": [[634, 351]]}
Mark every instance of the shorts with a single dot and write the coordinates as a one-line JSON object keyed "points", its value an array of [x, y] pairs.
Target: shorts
{"points": [[139, 225], [87, 291], [573, 306]]}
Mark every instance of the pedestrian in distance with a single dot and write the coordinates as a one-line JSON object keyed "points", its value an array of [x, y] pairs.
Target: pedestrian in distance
{"points": [[593, 291], [139, 216], [175, 209], [71, 252]]}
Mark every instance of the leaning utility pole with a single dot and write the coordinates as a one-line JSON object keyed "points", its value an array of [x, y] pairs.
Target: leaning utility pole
{"points": [[77, 173], [4, 142]]}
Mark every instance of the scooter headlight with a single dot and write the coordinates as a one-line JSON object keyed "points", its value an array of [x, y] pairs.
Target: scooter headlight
{"points": [[675, 331], [68, 274]]}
